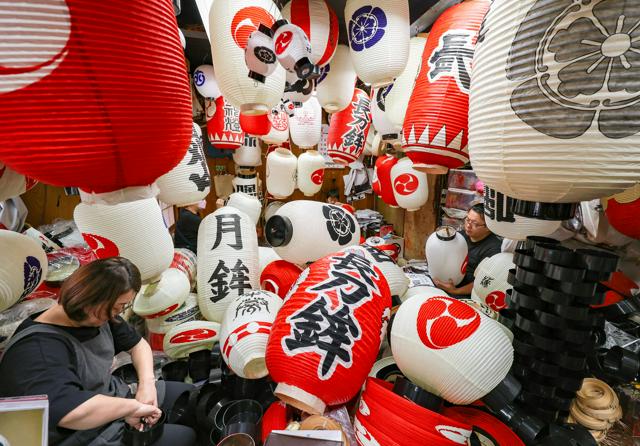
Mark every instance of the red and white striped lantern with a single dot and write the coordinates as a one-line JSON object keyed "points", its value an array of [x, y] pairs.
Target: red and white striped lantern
{"points": [[436, 125], [490, 284], [13, 184], [279, 132], [185, 260], [623, 211], [306, 124], [410, 187], [188, 311], [249, 153], [337, 81], [447, 255], [281, 173], [162, 297], [310, 172], [327, 334], [319, 23], [190, 337], [349, 128], [70, 115], [258, 125], [382, 173], [224, 128], [279, 276]]}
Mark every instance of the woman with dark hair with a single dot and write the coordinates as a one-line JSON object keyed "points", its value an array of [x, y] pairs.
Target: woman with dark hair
{"points": [[66, 352]]}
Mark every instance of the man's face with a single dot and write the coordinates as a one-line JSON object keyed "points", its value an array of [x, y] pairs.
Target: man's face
{"points": [[475, 227]]}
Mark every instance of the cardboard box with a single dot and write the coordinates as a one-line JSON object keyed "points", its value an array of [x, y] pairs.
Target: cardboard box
{"points": [[24, 420]]}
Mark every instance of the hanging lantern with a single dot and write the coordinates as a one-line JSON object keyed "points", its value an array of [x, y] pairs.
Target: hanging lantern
{"points": [[293, 48], [255, 124], [297, 91], [160, 298], [447, 255], [23, 267], [248, 204], [189, 182], [387, 129], [382, 172], [248, 154], [326, 336], [306, 124], [260, 55], [204, 78], [379, 35], [319, 23], [72, 115], [279, 132], [246, 183], [190, 337], [224, 128], [188, 311], [336, 82], [449, 348], [396, 278], [490, 284], [281, 173], [185, 260], [279, 276], [227, 260], [231, 24], [348, 129], [332, 227], [436, 124], [390, 248], [410, 187], [245, 330], [623, 210], [562, 123], [310, 172], [397, 100], [13, 184], [134, 230], [500, 219]]}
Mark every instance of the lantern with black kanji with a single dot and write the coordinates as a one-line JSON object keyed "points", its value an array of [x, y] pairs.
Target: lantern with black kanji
{"points": [[248, 154], [224, 127], [490, 284], [349, 128]]}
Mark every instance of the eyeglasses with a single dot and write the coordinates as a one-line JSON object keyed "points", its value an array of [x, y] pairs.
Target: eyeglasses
{"points": [[124, 308], [472, 223]]}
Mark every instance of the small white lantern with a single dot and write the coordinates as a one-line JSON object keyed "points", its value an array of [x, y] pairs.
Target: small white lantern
{"points": [[388, 130], [490, 284], [248, 204], [279, 132], [310, 172], [281, 173], [410, 187], [447, 255], [190, 337], [259, 55], [188, 311], [337, 81], [204, 78], [160, 298], [305, 126], [249, 153], [246, 183], [293, 49]]}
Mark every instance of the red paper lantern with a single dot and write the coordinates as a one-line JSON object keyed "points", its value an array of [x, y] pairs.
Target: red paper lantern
{"points": [[435, 131], [255, 125], [382, 172], [348, 129], [279, 276], [91, 97], [327, 334], [623, 211], [224, 128]]}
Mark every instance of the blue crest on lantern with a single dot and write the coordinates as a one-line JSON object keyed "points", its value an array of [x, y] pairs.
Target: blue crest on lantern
{"points": [[32, 275], [366, 27], [324, 71], [199, 78]]}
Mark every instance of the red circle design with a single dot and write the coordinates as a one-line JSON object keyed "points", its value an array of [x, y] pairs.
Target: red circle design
{"points": [[406, 184], [463, 267], [283, 41], [197, 334], [443, 322], [102, 246], [317, 176], [246, 21], [496, 300]]}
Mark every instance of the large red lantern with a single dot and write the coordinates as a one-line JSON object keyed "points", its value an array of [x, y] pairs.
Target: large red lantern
{"points": [[623, 211], [348, 129], [382, 172], [435, 131], [79, 93], [224, 128], [327, 334]]}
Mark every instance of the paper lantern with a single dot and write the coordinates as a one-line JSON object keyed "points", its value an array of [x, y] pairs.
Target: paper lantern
{"points": [[298, 91], [348, 129], [188, 311], [160, 298], [382, 172], [23, 267], [293, 48], [134, 230], [190, 337], [449, 348], [310, 172], [224, 128], [397, 100], [248, 204], [332, 227], [552, 115], [189, 182], [246, 183], [260, 55], [436, 124], [623, 211], [231, 24], [501, 220], [306, 124], [379, 35], [281, 173], [424, 291], [255, 124], [245, 330], [279, 132], [279, 276], [327, 334], [447, 251], [185, 260], [410, 187], [490, 284], [337, 81], [267, 255], [72, 115], [389, 247], [204, 78], [13, 184], [227, 260], [320, 24], [248, 154], [387, 129], [396, 278], [271, 209]]}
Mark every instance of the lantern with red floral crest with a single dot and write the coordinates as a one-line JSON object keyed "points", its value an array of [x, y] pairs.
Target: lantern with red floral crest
{"points": [[348, 129]]}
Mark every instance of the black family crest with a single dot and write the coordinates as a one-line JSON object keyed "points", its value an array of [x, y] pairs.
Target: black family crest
{"points": [[340, 224]]}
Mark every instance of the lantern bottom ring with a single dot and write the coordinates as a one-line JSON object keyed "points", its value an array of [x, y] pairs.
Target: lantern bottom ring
{"points": [[255, 366], [254, 109], [300, 399]]}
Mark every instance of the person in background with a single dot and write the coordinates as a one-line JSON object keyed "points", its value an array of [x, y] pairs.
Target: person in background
{"points": [[481, 243], [333, 197], [186, 234]]}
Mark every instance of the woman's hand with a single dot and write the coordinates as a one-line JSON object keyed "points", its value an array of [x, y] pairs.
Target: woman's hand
{"points": [[143, 413], [447, 286], [147, 393]]}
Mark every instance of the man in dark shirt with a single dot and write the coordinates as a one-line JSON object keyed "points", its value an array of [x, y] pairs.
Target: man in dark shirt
{"points": [[481, 243], [186, 235]]}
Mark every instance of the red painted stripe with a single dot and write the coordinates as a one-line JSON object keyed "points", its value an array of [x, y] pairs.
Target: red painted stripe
{"points": [[300, 15], [242, 332], [332, 38]]}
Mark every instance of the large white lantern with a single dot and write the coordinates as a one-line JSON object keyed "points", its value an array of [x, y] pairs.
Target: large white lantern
{"points": [[381, 122], [204, 78], [447, 255], [246, 203], [279, 132], [248, 154], [281, 172], [490, 284], [310, 172], [231, 24], [553, 111], [337, 81], [305, 126], [379, 35], [410, 186], [134, 230], [227, 260], [160, 298]]}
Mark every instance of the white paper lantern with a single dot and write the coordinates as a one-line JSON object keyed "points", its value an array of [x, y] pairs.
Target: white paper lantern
{"points": [[388, 130], [188, 311], [293, 48], [379, 35], [281, 172], [553, 114], [134, 230], [337, 81], [410, 186], [204, 78], [296, 90], [189, 182], [231, 24], [227, 260], [397, 99], [249, 153], [185, 260], [267, 255], [279, 132], [246, 183], [12, 183], [23, 267], [160, 298], [396, 278], [190, 337], [377, 146], [424, 291], [310, 172], [288, 231], [271, 209], [447, 255], [490, 284], [259, 54], [305, 126], [245, 330], [248, 204]]}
